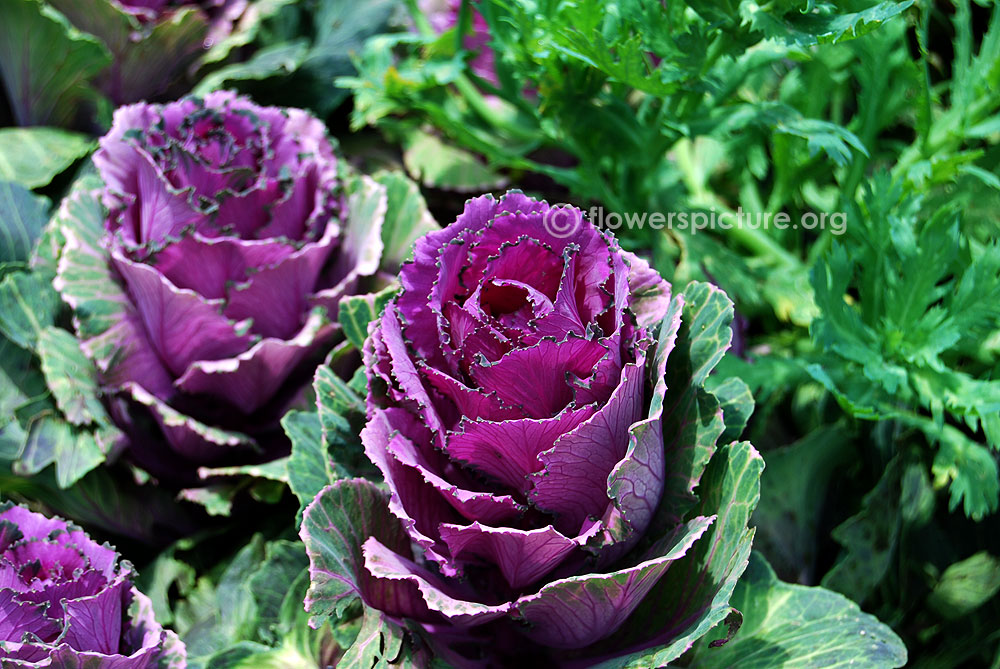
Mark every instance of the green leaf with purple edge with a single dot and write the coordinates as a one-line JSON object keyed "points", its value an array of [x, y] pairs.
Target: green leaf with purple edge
{"points": [[693, 596], [335, 525], [796, 627], [84, 279], [693, 419]]}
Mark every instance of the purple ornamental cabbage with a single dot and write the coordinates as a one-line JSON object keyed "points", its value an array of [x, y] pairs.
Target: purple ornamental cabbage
{"points": [[541, 477], [67, 602], [227, 245]]}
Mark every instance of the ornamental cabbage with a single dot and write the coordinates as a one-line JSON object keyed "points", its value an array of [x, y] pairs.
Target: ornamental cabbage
{"points": [[66, 601], [203, 288], [541, 440]]}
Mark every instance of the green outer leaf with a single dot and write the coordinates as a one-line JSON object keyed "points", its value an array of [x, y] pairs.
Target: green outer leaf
{"points": [[31, 157], [737, 404], [246, 29], [237, 607], [84, 279], [46, 64], [966, 585], [70, 377], [242, 654], [869, 538], [275, 470], [692, 418], [276, 60], [439, 165], [20, 380], [28, 305], [282, 564], [341, 414], [792, 492], [217, 500], [795, 626], [335, 525], [310, 468], [379, 644], [357, 311], [74, 451], [698, 587], [406, 220], [22, 218]]}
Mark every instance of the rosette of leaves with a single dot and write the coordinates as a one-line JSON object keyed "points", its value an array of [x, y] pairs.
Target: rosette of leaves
{"points": [[67, 601], [557, 468], [206, 267]]}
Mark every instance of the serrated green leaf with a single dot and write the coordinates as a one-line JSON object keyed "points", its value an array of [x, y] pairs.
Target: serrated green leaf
{"points": [[70, 376], [378, 645], [335, 525], [809, 28], [74, 451], [310, 467], [406, 219], [22, 218], [698, 587], [796, 627], [31, 157], [357, 311], [28, 305]]}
